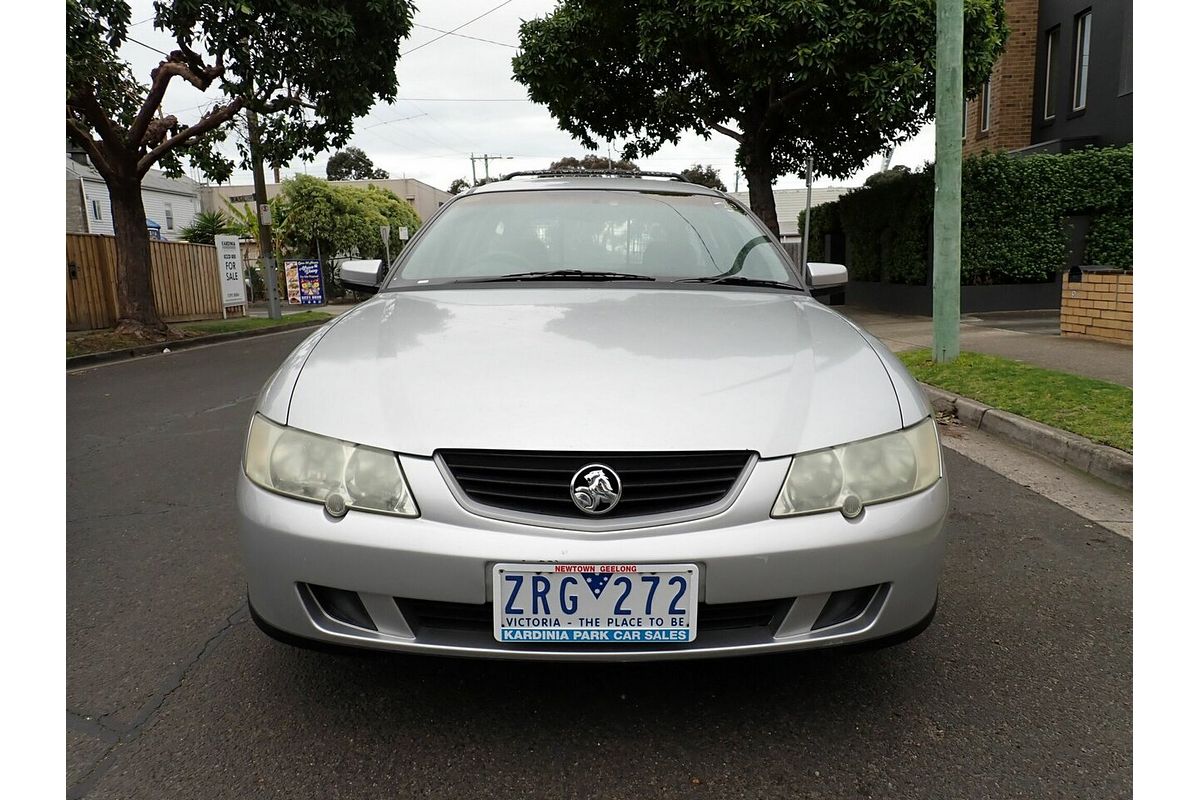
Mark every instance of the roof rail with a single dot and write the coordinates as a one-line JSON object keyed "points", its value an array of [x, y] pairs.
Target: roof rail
{"points": [[593, 173]]}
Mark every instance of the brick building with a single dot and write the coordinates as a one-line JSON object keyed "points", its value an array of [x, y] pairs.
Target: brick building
{"points": [[1064, 81]]}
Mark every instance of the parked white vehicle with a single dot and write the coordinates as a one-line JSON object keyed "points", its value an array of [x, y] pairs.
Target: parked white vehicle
{"points": [[592, 417]]}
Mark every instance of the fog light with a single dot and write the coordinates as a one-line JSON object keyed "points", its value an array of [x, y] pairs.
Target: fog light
{"points": [[335, 504], [852, 506]]}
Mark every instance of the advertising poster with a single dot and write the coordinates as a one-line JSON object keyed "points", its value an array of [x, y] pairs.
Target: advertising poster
{"points": [[292, 279], [305, 286]]}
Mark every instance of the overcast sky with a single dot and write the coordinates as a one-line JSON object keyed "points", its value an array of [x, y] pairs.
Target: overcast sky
{"points": [[457, 96]]}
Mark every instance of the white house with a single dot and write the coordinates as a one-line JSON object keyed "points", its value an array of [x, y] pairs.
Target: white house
{"points": [[170, 203], [789, 207]]}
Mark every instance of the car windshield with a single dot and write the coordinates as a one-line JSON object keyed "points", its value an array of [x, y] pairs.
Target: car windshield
{"points": [[586, 234]]}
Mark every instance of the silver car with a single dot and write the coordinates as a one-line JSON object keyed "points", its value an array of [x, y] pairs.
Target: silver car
{"points": [[591, 418]]}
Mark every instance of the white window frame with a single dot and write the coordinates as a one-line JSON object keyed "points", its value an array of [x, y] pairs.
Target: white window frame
{"points": [[97, 211], [1050, 90], [985, 107], [1083, 48], [170, 215]]}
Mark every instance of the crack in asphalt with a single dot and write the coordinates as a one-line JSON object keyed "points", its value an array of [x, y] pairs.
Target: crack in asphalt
{"points": [[171, 506], [95, 727], [161, 426], [117, 735]]}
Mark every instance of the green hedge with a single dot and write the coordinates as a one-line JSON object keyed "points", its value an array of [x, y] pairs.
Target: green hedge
{"points": [[1014, 210]]}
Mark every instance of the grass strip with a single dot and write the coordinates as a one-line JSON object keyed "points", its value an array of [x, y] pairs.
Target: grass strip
{"points": [[100, 341], [1101, 411]]}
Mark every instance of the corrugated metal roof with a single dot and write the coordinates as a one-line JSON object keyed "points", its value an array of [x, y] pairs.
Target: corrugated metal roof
{"points": [[154, 179], [789, 204]]}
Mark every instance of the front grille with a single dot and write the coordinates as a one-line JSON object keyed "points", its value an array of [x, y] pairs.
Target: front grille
{"points": [[426, 614], [540, 482]]}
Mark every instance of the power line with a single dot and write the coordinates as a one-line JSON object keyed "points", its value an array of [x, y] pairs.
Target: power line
{"points": [[458, 144], [462, 36], [455, 30], [148, 47], [390, 121]]}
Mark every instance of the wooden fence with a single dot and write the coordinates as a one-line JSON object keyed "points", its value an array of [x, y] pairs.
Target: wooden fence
{"points": [[183, 276]]}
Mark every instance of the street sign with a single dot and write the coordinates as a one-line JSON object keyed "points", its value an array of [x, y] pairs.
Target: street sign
{"points": [[229, 264], [305, 285], [402, 234], [264, 214], [385, 232]]}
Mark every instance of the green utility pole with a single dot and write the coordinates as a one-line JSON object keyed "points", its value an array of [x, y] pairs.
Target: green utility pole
{"points": [[947, 181]]}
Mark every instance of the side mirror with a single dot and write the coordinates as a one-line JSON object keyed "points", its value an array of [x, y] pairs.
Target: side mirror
{"points": [[826, 276], [362, 275]]}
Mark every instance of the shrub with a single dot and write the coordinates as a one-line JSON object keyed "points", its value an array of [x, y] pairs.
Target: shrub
{"points": [[206, 226], [1014, 216]]}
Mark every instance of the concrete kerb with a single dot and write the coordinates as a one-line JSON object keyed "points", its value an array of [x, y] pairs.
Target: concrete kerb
{"points": [[106, 356], [1106, 463]]}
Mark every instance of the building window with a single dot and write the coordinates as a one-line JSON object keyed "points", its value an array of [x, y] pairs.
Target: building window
{"points": [[1125, 75], [1083, 46], [985, 106], [96, 214], [1050, 101], [170, 216]]}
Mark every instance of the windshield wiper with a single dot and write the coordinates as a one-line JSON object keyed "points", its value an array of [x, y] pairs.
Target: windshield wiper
{"points": [[739, 280], [559, 274]]}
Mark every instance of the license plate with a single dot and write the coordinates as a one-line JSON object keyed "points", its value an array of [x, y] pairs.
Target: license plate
{"points": [[580, 603]]}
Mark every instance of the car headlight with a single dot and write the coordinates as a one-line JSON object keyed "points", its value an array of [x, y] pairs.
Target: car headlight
{"points": [[324, 470], [853, 475]]}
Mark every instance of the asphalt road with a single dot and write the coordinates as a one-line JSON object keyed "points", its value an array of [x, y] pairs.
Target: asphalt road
{"points": [[1021, 688]]}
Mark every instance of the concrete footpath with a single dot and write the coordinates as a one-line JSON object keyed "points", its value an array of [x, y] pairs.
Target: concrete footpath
{"points": [[1028, 336]]}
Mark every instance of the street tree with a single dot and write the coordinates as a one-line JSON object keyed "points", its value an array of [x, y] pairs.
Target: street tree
{"points": [[705, 176], [308, 68], [352, 164], [594, 161], [339, 220], [786, 81], [459, 185]]}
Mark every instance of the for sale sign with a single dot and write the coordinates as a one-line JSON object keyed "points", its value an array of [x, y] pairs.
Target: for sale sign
{"points": [[229, 263]]}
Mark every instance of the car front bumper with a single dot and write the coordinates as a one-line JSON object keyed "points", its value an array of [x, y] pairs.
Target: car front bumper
{"points": [[443, 560]]}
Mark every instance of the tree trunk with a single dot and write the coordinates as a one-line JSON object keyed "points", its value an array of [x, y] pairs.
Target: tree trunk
{"points": [[760, 174], [135, 299], [762, 197]]}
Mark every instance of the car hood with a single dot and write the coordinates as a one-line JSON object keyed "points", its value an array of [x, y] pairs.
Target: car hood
{"points": [[593, 369]]}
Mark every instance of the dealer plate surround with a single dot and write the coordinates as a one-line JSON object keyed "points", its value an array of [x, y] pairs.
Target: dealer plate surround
{"points": [[595, 603]]}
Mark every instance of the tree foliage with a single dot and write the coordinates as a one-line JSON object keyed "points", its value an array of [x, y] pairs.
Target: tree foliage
{"points": [[352, 164], [459, 185], [593, 161], [341, 219], [206, 226], [705, 176], [786, 80], [242, 220], [308, 68]]}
